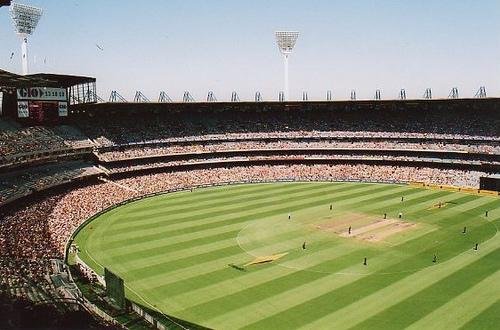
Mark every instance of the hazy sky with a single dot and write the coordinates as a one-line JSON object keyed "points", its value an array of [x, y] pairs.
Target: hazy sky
{"points": [[226, 45]]}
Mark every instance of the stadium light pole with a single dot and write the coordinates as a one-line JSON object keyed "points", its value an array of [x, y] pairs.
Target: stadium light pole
{"points": [[286, 41], [25, 19]]}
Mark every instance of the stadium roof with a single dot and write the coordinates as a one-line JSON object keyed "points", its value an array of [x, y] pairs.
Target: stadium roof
{"points": [[62, 80], [12, 80]]}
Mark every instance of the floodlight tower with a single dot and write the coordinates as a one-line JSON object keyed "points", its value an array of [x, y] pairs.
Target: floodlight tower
{"points": [[286, 40], [25, 19]]}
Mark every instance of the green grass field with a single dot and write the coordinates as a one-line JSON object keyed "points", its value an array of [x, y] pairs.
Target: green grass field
{"points": [[175, 252]]}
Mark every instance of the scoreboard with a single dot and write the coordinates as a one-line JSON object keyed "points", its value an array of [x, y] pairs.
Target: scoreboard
{"points": [[115, 288], [42, 103], [490, 183], [43, 97]]}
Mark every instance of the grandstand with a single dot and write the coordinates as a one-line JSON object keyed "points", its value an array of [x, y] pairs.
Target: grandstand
{"points": [[451, 134], [56, 175]]}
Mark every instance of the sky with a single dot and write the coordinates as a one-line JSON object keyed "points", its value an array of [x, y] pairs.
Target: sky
{"points": [[229, 45]]}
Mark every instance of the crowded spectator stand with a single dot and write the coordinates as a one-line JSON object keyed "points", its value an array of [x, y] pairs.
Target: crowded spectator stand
{"points": [[54, 177]]}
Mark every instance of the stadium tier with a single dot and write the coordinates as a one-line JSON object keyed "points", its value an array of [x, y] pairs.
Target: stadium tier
{"points": [[124, 143]]}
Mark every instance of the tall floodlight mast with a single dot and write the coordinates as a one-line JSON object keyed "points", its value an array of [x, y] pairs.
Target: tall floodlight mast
{"points": [[25, 19], [286, 40]]}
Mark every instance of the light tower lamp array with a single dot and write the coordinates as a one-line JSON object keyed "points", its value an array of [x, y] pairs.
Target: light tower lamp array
{"points": [[25, 19], [286, 41]]}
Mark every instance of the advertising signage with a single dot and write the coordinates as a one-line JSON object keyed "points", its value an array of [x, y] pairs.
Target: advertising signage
{"points": [[42, 93]]}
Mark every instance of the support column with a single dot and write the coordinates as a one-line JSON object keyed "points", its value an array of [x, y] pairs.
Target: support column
{"points": [[24, 54], [287, 96]]}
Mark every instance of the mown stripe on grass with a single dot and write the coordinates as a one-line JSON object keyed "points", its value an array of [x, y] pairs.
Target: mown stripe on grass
{"points": [[206, 194], [192, 222], [188, 217], [487, 319], [210, 280], [171, 244], [431, 298], [236, 255], [160, 209], [285, 207], [196, 210], [300, 295], [201, 255], [127, 252], [277, 285], [412, 203], [306, 313], [154, 219], [329, 302], [161, 256], [355, 313], [259, 277], [458, 311], [167, 253]]}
